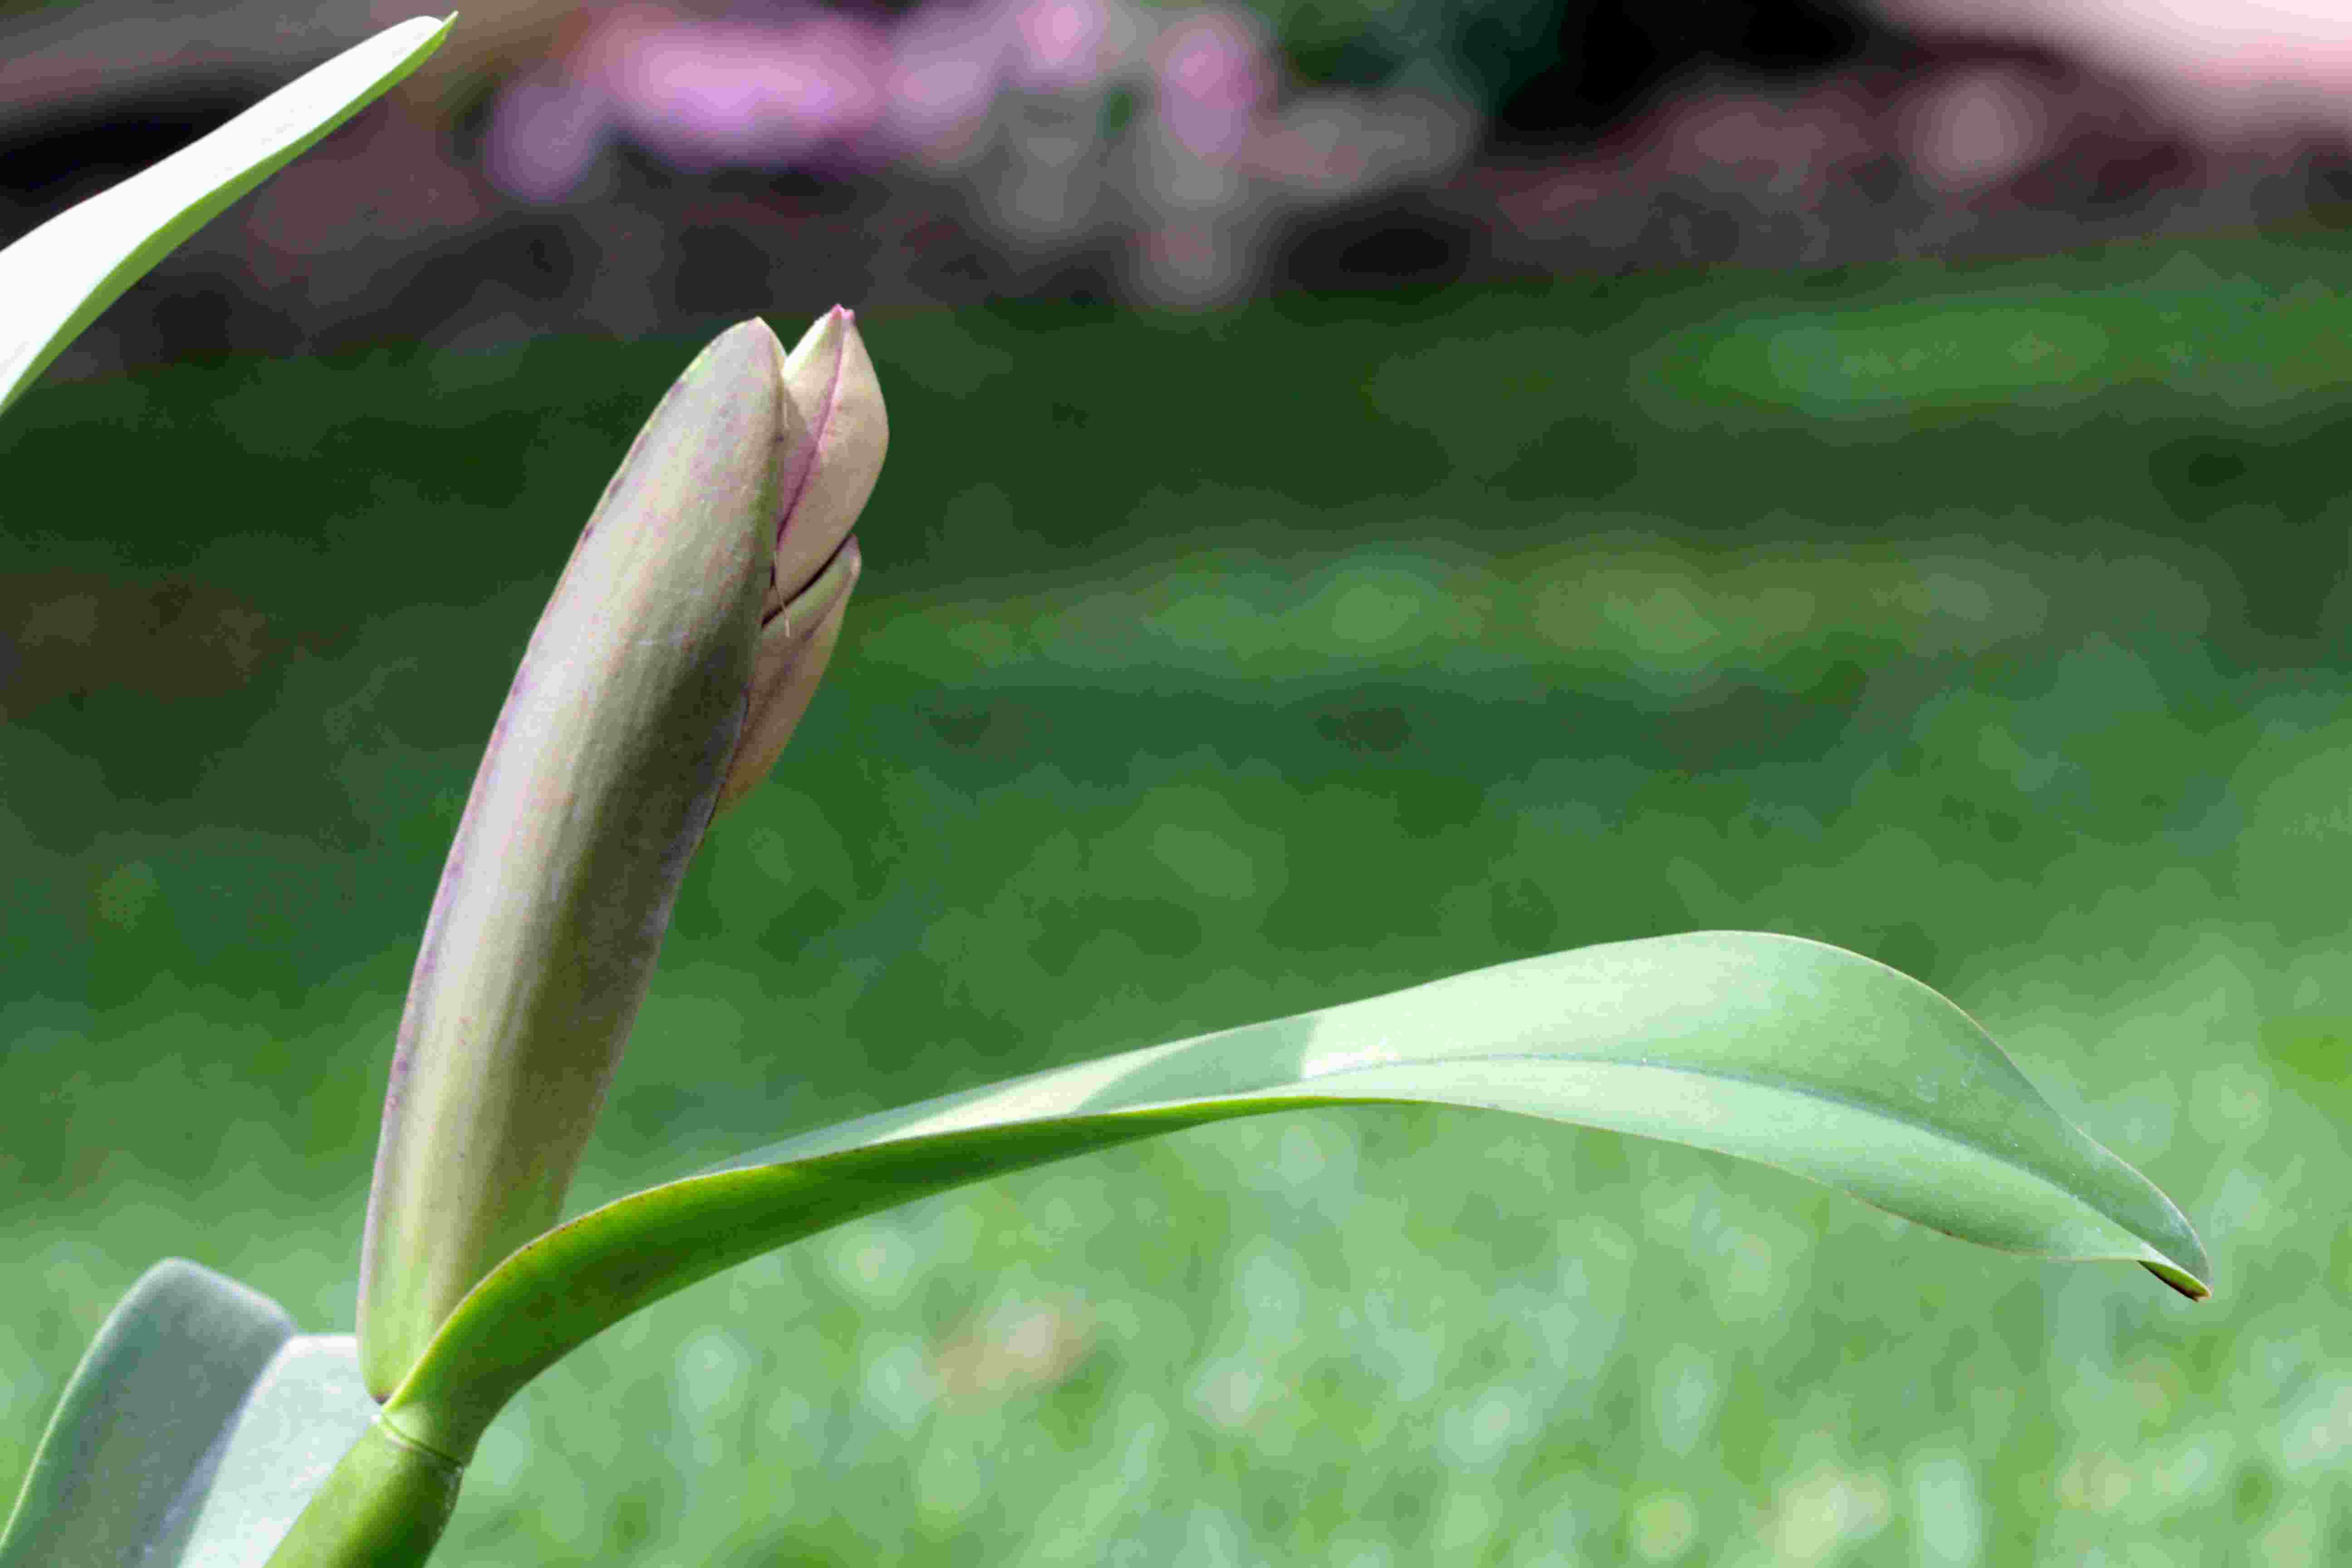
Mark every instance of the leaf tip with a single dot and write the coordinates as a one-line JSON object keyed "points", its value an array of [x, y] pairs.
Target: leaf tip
{"points": [[2180, 1279]]}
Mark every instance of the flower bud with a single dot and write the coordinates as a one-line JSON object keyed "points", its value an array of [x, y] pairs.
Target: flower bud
{"points": [[830, 386], [681, 643]]}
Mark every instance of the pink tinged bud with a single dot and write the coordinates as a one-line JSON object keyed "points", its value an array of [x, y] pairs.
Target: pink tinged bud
{"points": [[793, 656], [670, 634], [839, 435]]}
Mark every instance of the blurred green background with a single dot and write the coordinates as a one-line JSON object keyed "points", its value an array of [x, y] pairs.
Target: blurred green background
{"points": [[1989, 622]]}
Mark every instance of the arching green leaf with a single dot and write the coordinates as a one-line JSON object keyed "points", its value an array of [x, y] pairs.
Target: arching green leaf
{"points": [[1771, 1047]]}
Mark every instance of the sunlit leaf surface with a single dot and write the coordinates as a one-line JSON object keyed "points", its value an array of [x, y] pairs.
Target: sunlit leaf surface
{"points": [[1771, 1047]]}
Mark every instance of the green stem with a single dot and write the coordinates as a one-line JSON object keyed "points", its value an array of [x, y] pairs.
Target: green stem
{"points": [[383, 1506]]}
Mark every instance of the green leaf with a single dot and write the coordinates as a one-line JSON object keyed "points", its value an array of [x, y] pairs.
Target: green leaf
{"points": [[306, 1414], [1771, 1047], [195, 1431], [58, 278]]}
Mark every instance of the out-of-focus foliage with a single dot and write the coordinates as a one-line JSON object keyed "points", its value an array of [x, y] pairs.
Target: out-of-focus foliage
{"points": [[1072, 119], [670, 165], [1494, 45], [1210, 676]]}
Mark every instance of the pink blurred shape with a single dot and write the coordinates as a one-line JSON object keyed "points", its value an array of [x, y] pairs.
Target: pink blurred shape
{"points": [[947, 66], [546, 133], [1978, 128], [699, 94], [1214, 79], [708, 93], [2234, 65], [1065, 46]]}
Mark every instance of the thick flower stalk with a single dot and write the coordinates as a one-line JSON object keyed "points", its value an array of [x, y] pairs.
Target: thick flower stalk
{"points": [[680, 647]]}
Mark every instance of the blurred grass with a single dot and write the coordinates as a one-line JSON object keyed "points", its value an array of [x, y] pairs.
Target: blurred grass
{"points": [[1206, 675]]}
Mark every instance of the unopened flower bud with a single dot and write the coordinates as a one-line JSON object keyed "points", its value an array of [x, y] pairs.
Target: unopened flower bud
{"points": [[831, 392], [682, 642]]}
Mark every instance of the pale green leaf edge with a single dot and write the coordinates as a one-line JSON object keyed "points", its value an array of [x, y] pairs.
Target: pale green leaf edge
{"points": [[1774, 1048], [301, 1419], [135, 1440], [60, 277], [196, 1430]]}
